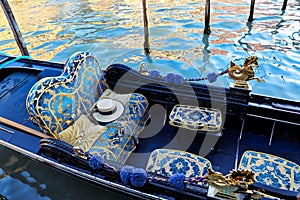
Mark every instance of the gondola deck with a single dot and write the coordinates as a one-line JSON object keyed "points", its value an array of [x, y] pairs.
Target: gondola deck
{"points": [[252, 122]]}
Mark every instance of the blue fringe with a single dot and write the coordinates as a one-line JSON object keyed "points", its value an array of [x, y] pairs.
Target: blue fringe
{"points": [[154, 74], [125, 174], [96, 162], [212, 77], [176, 79], [177, 181], [139, 177]]}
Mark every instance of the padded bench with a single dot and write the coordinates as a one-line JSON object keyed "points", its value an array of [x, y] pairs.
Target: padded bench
{"points": [[167, 162], [61, 107], [272, 170], [196, 118]]}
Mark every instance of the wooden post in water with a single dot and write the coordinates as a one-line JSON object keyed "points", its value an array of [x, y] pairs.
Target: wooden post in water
{"points": [[14, 27], [284, 5], [146, 27], [207, 17], [250, 19]]}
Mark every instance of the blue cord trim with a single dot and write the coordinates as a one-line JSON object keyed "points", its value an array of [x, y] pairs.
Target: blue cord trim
{"points": [[13, 60]]}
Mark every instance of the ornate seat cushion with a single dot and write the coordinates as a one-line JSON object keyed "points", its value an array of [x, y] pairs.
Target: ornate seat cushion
{"points": [[272, 170], [166, 162], [196, 118], [54, 103], [62, 107], [115, 140]]}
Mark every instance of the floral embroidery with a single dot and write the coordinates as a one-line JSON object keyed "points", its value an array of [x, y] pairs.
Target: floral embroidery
{"points": [[272, 170], [179, 166]]}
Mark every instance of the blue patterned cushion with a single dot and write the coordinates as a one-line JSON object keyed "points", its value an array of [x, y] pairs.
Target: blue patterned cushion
{"points": [[117, 142], [166, 162], [272, 170], [54, 103], [196, 118]]}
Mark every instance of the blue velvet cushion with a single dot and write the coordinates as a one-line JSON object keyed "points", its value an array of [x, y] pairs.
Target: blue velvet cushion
{"points": [[196, 118], [117, 142], [272, 170], [54, 103], [167, 162]]}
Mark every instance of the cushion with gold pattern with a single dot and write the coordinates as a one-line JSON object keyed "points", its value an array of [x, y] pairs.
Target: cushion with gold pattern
{"points": [[272, 170], [167, 162], [54, 103], [62, 106], [196, 118]]}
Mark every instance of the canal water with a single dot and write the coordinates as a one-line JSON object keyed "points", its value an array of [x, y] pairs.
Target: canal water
{"points": [[113, 32]]}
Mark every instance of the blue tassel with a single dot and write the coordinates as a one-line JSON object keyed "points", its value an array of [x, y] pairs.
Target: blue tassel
{"points": [[177, 181], [154, 74], [96, 162], [169, 78], [126, 173], [178, 79], [139, 177], [212, 77]]}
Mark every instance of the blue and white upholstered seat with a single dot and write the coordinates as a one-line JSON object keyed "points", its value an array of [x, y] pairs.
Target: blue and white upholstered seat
{"points": [[61, 107], [272, 170], [167, 162]]}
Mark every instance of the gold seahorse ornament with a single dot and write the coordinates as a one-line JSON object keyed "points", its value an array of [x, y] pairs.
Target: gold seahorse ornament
{"points": [[243, 74], [237, 181]]}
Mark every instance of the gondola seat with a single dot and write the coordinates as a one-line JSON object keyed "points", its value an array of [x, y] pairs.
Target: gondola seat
{"points": [[61, 106], [272, 170], [167, 162], [196, 118]]}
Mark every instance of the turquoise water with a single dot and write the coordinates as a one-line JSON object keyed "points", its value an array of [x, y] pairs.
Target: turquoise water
{"points": [[113, 32], [22, 178]]}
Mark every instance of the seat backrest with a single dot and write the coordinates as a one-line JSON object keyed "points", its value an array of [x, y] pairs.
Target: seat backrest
{"points": [[54, 103], [167, 162], [272, 170]]}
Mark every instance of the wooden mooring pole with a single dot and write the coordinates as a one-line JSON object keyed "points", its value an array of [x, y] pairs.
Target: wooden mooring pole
{"points": [[146, 27], [284, 5], [14, 27], [207, 17], [250, 19]]}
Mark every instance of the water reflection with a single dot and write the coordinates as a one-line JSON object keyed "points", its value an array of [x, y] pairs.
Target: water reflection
{"points": [[113, 31], [22, 178]]}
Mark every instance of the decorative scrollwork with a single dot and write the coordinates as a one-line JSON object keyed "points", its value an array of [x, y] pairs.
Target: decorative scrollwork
{"points": [[243, 74], [236, 180]]}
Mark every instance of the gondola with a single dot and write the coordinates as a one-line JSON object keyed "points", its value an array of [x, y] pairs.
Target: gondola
{"points": [[152, 136]]}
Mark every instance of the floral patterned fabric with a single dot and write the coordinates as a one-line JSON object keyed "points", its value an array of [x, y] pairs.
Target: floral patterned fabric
{"points": [[56, 103], [118, 141], [166, 162], [196, 118], [272, 170]]}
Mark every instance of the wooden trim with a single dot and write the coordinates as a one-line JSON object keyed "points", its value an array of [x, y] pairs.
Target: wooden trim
{"points": [[23, 128]]}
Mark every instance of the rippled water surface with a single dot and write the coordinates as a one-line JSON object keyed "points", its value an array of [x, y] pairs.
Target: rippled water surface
{"points": [[113, 32], [25, 179]]}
